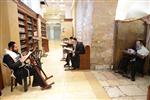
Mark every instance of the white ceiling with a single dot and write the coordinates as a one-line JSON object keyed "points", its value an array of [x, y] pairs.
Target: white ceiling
{"points": [[56, 9], [132, 9]]}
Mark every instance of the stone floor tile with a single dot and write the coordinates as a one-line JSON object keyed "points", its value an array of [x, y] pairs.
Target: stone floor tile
{"points": [[123, 82], [123, 98], [114, 92], [109, 75], [132, 90], [104, 83], [139, 97], [100, 76], [113, 83]]}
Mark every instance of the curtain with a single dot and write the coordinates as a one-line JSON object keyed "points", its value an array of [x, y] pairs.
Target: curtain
{"points": [[84, 26]]}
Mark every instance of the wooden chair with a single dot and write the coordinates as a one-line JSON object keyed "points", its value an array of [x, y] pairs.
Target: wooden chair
{"points": [[13, 80], [85, 58], [37, 54]]}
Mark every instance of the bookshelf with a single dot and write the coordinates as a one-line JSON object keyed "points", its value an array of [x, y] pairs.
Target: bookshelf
{"points": [[45, 44], [22, 31], [43, 29], [27, 20]]}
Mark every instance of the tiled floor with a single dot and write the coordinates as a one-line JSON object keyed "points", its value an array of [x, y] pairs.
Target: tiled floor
{"points": [[121, 88], [80, 85]]}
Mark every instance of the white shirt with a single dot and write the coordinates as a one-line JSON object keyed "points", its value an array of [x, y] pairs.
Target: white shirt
{"points": [[143, 51]]}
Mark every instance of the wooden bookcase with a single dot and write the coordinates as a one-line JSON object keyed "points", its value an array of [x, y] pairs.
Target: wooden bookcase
{"points": [[45, 44], [27, 20]]}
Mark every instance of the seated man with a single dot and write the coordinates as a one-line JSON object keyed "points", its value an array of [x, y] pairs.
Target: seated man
{"points": [[15, 61], [69, 49], [78, 48], [64, 44], [141, 53], [135, 57]]}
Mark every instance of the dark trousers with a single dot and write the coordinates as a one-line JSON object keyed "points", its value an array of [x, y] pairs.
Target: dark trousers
{"points": [[76, 61], [23, 72], [68, 59], [123, 65], [137, 66]]}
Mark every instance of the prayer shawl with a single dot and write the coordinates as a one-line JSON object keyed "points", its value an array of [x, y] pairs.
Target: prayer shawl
{"points": [[13, 55]]}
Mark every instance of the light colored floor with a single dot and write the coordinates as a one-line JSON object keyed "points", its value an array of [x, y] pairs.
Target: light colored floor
{"points": [[103, 84], [69, 85], [121, 88]]}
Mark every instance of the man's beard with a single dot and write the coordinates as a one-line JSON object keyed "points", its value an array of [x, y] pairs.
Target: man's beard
{"points": [[16, 51]]}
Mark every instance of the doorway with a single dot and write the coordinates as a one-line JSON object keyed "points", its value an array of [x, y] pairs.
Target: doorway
{"points": [[54, 31]]}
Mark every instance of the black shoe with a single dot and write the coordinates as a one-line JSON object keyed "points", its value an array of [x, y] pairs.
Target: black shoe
{"points": [[46, 87], [73, 68], [35, 84], [126, 75], [66, 65], [67, 69], [132, 79]]}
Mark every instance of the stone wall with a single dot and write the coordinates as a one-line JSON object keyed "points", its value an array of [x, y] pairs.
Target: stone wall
{"points": [[66, 29], [102, 39], [8, 32]]}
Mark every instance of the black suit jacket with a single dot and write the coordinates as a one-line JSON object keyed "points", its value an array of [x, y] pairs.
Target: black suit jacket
{"points": [[10, 62], [79, 48]]}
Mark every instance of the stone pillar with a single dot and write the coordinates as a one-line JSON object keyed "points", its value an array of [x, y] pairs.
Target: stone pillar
{"points": [[94, 25], [102, 39]]}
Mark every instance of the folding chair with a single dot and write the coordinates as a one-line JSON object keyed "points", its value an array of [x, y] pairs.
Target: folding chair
{"points": [[37, 54]]}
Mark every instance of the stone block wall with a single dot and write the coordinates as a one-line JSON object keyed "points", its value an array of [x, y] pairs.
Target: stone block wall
{"points": [[103, 30]]}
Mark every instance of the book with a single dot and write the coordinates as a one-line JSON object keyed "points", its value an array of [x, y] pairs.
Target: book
{"points": [[63, 44], [70, 49], [129, 51], [26, 56]]}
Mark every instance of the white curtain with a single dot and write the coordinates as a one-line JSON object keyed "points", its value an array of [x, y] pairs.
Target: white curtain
{"points": [[84, 27]]}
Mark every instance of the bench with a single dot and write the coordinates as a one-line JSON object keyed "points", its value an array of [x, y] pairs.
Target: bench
{"points": [[85, 58]]}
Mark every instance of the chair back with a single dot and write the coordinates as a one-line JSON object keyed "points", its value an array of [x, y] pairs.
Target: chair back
{"points": [[11, 70], [37, 54]]}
